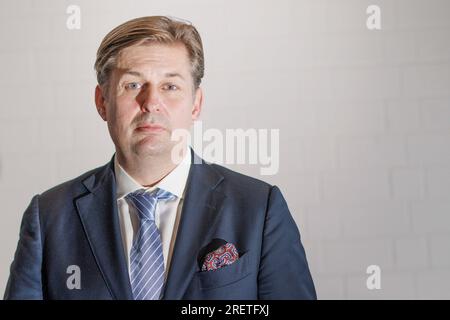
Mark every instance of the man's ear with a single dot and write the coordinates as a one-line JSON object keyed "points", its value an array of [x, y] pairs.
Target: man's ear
{"points": [[198, 102], [100, 102]]}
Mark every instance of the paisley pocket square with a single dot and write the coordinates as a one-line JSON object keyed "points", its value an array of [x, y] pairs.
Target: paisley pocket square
{"points": [[225, 255]]}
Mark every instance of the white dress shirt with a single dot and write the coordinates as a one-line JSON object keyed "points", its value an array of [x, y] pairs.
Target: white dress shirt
{"points": [[167, 214]]}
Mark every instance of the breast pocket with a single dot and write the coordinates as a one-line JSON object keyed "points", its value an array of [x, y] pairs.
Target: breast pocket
{"points": [[226, 275]]}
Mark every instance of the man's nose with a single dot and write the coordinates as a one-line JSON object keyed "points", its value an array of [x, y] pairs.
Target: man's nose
{"points": [[151, 101]]}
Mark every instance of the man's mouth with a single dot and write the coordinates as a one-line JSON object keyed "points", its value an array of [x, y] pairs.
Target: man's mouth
{"points": [[150, 128]]}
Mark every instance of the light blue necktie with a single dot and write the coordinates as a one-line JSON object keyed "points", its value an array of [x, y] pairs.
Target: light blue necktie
{"points": [[146, 257]]}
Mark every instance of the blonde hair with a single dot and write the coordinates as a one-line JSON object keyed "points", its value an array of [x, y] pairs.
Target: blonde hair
{"points": [[159, 29]]}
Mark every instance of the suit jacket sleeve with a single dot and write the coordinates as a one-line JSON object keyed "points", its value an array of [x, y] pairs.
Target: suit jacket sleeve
{"points": [[25, 275], [283, 271]]}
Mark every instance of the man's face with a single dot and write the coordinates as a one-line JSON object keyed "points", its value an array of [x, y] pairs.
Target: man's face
{"points": [[151, 93]]}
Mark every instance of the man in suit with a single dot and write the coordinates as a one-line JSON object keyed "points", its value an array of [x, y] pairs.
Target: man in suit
{"points": [[148, 224]]}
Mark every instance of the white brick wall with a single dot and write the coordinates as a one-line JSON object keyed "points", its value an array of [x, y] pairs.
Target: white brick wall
{"points": [[350, 117], [440, 255], [426, 81], [371, 152], [407, 183], [395, 285], [402, 116], [429, 217], [363, 118], [412, 253], [353, 257], [355, 186], [435, 114], [433, 284]]}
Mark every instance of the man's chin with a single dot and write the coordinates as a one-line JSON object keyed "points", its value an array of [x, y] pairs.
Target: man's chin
{"points": [[151, 146]]}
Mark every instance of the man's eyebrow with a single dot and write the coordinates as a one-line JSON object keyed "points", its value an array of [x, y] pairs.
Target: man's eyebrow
{"points": [[173, 75], [132, 72], [167, 74]]}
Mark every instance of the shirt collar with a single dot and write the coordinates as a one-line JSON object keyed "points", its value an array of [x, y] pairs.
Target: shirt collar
{"points": [[174, 182]]}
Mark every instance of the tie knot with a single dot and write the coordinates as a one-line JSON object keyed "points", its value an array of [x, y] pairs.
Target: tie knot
{"points": [[145, 202]]}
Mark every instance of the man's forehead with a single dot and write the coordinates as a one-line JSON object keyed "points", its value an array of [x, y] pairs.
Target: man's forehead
{"points": [[171, 54]]}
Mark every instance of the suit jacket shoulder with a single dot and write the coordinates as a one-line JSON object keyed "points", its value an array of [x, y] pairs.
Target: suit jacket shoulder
{"points": [[57, 196]]}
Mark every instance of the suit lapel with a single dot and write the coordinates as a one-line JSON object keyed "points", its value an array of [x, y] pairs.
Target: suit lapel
{"points": [[99, 215], [201, 207]]}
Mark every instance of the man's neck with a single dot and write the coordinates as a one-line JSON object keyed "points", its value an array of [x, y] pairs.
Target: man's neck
{"points": [[147, 171]]}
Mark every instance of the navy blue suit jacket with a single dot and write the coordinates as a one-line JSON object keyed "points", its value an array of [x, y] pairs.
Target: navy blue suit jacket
{"points": [[76, 223]]}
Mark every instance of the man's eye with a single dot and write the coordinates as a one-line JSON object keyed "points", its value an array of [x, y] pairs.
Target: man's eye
{"points": [[133, 86], [170, 87]]}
